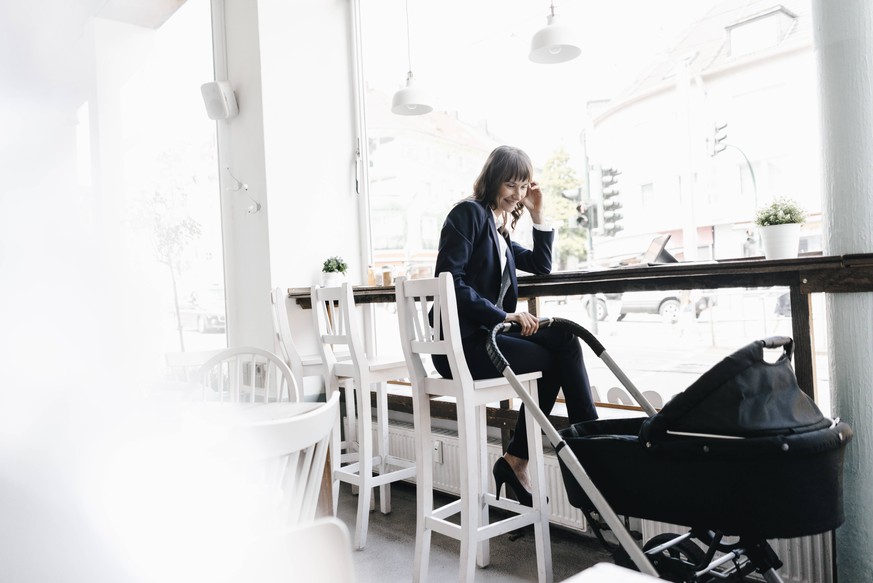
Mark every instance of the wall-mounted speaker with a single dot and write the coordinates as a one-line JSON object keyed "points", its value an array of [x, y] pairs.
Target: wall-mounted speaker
{"points": [[219, 99]]}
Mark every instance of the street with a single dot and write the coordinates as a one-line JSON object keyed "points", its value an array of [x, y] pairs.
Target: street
{"points": [[665, 355]]}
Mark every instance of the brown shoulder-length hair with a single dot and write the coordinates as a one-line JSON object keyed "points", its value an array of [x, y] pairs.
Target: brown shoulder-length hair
{"points": [[504, 164]]}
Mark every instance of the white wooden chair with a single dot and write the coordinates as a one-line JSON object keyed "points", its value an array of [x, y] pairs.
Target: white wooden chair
{"points": [[654, 398], [420, 340], [307, 365], [293, 453], [184, 367], [335, 320], [247, 373], [302, 365], [618, 396]]}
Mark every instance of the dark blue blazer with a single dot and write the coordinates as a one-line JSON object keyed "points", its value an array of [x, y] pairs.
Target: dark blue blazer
{"points": [[469, 250]]}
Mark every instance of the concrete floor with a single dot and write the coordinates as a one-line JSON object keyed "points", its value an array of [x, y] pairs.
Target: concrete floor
{"points": [[391, 539]]}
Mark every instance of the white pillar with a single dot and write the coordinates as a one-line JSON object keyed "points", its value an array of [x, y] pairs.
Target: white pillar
{"points": [[843, 49], [245, 239]]}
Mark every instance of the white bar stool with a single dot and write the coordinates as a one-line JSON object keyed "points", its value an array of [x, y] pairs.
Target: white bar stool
{"points": [[302, 365], [421, 338], [305, 366], [337, 327]]}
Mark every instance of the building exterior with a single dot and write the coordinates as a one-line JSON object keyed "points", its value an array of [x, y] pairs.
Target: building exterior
{"points": [[740, 81]]}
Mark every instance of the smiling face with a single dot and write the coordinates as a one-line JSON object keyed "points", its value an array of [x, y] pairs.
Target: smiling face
{"points": [[504, 179], [510, 193]]}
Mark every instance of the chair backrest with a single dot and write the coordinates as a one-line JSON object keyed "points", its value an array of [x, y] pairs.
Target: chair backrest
{"points": [[333, 309], [294, 451], [421, 338], [185, 366], [287, 349], [618, 396], [247, 374], [654, 398]]}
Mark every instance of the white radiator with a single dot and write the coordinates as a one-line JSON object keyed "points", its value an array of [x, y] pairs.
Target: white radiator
{"points": [[806, 560]]}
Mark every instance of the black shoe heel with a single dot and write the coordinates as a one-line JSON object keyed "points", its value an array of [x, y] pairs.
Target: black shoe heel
{"points": [[503, 474]]}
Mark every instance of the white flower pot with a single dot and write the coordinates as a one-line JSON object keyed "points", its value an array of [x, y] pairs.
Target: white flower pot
{"points": [[332, 278], [781, 241]]}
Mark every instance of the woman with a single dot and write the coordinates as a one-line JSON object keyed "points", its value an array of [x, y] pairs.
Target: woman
{"points": [[475, 247]]}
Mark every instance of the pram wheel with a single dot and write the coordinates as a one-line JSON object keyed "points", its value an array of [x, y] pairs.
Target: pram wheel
{"points": [[678, 562]]}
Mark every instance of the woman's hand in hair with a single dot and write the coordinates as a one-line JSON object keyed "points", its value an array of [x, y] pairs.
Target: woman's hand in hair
{"points": [[533, 202], [528, 322]]}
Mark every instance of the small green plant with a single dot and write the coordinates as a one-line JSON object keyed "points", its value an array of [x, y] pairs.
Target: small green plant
{"points": [[334, 264], [780, 212]]}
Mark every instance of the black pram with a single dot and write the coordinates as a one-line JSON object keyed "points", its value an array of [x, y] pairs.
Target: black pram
{"points": [[739, 457]]}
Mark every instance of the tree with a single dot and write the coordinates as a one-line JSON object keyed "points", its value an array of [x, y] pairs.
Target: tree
{"points": [[172, 232], [559, 176], [162, 213]]}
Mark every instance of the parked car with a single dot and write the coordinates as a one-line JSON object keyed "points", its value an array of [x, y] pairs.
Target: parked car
{"points": [[667, 304], [204, 310], [600, 305]]}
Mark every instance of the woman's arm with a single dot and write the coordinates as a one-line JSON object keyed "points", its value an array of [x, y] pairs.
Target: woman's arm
{"points": [[538, 260], [466, 251]]}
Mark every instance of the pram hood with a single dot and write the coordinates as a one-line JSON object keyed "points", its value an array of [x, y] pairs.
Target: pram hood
{"points": [[742, 451], [741, 396]]}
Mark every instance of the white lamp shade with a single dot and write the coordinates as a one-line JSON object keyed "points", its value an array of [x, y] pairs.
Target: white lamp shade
{"points": [[411, 100], [554, 44]]}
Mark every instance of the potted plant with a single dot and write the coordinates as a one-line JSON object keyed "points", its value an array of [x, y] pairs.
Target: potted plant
{"points": [[779, 224], [333, 271]]}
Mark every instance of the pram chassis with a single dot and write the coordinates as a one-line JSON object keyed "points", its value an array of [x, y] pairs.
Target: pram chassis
{"points": [[746, 554]]}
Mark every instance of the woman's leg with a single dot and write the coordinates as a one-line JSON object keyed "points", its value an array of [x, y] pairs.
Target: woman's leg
{"points": [[558, 354]]}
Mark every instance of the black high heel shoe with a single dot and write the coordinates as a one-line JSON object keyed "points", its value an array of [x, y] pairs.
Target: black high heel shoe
{"points": [[503, 474]]}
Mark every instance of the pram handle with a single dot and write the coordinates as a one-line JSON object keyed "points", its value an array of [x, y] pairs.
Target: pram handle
{"points": [[780, 342], [565, 453], [499, 360], [501, 364]]}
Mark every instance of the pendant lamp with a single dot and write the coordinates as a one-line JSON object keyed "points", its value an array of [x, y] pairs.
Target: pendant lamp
{"points": [[555, 43], [410, 100]]}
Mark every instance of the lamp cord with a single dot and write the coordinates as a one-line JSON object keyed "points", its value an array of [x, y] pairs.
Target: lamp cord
{"points": [[408, 43]]}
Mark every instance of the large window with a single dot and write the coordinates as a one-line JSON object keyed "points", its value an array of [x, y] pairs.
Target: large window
{"points": [[653, 84], [472, 58], [170, 181], [173, 181], [113, 209]]}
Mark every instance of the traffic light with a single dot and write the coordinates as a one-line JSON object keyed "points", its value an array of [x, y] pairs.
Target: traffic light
{"points": [[588, 218], [719, 135], [611, 203], [572, 193]]}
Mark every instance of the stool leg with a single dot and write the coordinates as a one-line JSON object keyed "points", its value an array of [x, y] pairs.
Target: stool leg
{"points": [[351, 414], [536, 467], [483, 551], [423, 484], [471, 511], [382, 452], [365, 464], [335, 455], [351, 449]]}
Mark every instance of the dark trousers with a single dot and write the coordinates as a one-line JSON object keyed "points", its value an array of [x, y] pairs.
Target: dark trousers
{"points": [[555, 352]]}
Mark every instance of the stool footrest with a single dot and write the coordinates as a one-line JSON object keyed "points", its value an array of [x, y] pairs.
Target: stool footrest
{"points": [[437, 521]]}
